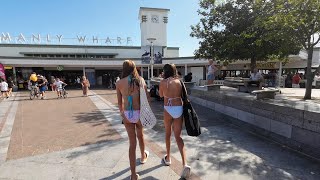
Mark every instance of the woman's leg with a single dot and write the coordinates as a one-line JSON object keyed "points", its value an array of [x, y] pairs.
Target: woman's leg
{"points": [[10, 91], [141, 140], [168, 125], [177, 127], [131, 130]]}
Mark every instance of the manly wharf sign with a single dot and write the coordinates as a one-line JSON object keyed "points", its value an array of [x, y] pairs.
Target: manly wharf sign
{"points": [[7, 38]]}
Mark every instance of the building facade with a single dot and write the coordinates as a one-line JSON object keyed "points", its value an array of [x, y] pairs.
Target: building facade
{"points": [[100, 63]]}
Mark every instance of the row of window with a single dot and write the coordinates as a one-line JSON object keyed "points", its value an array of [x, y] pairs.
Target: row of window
{"points": [[68, 56]]}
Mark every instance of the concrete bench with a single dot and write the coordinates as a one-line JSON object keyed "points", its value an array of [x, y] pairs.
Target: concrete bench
{"points": [[242, 88], [265, 93], [213, 87]]}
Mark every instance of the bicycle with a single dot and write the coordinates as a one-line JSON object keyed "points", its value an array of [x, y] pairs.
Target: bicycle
{"points": [[34, 92]]}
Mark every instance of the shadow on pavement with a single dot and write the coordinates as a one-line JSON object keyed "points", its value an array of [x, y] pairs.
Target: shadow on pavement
{"points": [[116, 175], [229, 148]]}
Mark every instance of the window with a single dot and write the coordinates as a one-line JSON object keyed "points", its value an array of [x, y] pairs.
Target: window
{"points": [[58, 55], [72, 56], [44, 55], [51, 55], [65, 55], [79, 56]]}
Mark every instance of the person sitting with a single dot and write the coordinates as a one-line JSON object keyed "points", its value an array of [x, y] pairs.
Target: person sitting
{"points": [[188, 77], [255, 78], [296, 80]]}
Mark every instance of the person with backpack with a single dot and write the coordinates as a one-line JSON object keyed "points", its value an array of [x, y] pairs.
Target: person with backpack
{"points": [[170, 89]]}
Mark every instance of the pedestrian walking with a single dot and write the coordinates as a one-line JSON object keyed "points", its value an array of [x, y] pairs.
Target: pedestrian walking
{"points": [[85, 86], [170, 89], [10, 86], [129, 105], [4, 88]]}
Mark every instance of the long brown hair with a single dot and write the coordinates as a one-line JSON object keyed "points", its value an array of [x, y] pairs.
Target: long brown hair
{"points": [[169, 70], [129, 69]]}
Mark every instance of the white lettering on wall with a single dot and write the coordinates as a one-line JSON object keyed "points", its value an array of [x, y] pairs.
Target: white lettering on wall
{"points": [[119, 40], [38, 38], [129, 40], [108, 40], [81, 39], [95, 39], [59, 37], [5, 38], [48, 38], [21, 38]]}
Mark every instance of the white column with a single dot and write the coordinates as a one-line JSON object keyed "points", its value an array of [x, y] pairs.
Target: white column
{"points": [[141, 71], [185, 69], [84, 71]]}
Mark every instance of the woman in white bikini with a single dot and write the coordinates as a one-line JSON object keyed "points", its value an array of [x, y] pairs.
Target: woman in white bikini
{"points": [[129, 106], [170, 88]]}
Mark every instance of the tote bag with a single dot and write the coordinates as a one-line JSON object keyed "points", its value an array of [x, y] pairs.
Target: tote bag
{"points": [[147, 118], [190, 117]]}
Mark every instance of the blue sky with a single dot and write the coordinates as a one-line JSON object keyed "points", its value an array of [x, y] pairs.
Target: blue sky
{"points": [[98, 17]]}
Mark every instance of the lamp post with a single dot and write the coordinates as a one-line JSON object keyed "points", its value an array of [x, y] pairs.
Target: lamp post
{"points": [[151, 40]]}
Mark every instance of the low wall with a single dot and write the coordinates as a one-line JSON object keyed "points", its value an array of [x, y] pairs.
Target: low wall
{"points": [[295, 127]]}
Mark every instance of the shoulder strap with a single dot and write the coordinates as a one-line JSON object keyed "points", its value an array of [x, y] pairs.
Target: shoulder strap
{"points": [[184, 94]]}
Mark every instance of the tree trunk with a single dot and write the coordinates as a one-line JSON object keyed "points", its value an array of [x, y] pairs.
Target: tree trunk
{"points": [[309, 74], [253, 63]]}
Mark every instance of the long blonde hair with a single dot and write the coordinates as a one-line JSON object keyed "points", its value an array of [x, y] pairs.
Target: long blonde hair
{"points": [[129, 69]]}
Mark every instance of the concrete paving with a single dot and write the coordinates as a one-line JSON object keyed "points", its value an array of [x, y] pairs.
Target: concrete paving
{"points": [[223, 151]]}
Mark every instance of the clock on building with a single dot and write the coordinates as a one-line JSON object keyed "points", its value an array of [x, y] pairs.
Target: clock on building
{"points": [[155, 19]]}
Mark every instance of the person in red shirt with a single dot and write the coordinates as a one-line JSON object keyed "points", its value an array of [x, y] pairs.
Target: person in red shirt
{"points": [[296, 80]]}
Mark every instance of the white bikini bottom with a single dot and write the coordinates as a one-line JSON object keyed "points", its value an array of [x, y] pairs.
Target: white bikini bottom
{"points": [[174, 111]]}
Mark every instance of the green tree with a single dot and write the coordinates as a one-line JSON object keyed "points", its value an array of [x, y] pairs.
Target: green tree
{"points": [[232, 31], [300, 19]]}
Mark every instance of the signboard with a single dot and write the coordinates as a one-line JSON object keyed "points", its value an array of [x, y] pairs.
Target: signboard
{"points": [[60, 68], [2, 72], [7, 38]]}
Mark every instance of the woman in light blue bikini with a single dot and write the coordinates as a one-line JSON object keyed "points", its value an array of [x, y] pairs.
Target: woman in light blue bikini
{"points": [[170, 88], [129, 105]]}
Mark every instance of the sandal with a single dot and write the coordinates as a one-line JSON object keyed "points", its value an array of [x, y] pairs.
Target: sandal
{"points": [[147, 155], [186, 172], [137, 175], [168, 163]]}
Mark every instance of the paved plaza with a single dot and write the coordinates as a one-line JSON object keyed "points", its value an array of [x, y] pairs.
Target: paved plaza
{"points": [[83, 138]]}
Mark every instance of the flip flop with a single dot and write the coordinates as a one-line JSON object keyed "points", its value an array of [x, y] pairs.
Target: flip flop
{"points": [[186, 172], [147, 155], [168, 163]]}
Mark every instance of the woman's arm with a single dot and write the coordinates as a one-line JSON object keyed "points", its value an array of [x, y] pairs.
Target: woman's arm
{"points": [[161, 89], [119, 97]]}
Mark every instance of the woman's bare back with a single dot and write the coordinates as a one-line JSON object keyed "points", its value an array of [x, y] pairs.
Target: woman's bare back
{"points": [[126, 91], [171, 88]]}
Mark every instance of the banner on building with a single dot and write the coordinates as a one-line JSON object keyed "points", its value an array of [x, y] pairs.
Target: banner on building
{"points": [[2, 72], [146, 55], [158, 54]]}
